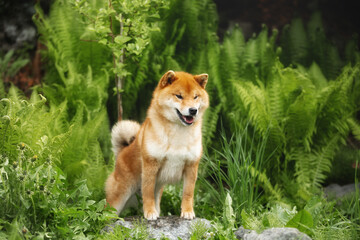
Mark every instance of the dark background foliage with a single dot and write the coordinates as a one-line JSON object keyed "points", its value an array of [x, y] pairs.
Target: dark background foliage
{"points": [[340, 17], [341, 21]]}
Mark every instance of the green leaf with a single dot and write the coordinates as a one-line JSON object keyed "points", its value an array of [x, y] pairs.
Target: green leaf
{"points": [[302, 221], [122, 39], [103, 41], [228, 211]]}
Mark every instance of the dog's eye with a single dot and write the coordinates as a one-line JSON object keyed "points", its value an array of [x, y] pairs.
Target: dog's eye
{"points": [[179, 96], [196, 97]]}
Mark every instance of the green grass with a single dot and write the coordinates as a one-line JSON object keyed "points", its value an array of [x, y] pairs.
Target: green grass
{"points": [[233, 195], [139, 232], [236, 169]]}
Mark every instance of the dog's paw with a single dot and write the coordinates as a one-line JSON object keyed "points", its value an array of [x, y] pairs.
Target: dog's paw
{"points": [[188, 215], [151, 215]]}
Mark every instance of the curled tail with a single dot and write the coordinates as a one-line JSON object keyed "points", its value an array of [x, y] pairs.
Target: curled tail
{"points": [[123, 134]]}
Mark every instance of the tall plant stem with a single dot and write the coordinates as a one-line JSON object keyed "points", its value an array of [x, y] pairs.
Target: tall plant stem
{"points": [[119, 79]]}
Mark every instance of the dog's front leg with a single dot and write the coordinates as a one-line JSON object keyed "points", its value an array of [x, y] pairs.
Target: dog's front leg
{"points": [[148, 181], [190, 175]]}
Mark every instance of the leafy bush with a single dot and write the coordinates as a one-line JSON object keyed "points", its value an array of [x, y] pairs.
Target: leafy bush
{"points": [[38, 199], [301, 120], [77, 82], [73, 143], [319, 219]]}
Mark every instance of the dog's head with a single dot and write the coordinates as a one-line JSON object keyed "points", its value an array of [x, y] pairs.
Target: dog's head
{"points": [[181, 97]]}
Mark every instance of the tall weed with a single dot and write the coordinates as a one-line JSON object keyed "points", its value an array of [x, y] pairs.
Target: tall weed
{"points": [[237, 171]]}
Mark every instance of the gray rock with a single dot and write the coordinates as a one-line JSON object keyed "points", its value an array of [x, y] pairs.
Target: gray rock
{"points": [[27, 34], [241, 232], [271, 234], [338, 191], [11, 30], [171, 227]]}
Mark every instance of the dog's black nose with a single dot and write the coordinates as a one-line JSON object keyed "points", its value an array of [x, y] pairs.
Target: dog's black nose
{"points": [[192, 111]]}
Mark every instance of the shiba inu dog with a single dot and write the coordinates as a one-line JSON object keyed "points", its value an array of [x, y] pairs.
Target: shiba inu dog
{"points": [[166, 148]]}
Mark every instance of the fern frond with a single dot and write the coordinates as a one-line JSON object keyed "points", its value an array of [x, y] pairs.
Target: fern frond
{"points": [[229, 59], [317, 76], [352, 53], [315, 27], [269, 56], [355, 127], [210, 121], [254, 100], [273, 191], [322, 162], [202, 63], [332, 63], [248, 59], [215, 72], [295, 43], [335, 106], [257, 107]]}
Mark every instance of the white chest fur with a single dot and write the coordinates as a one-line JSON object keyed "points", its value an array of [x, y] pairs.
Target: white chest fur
{"points": [[171, 170], [173, 148]]}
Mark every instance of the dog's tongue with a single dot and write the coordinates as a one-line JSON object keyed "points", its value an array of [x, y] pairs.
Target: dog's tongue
{"points": [[188, 119]]}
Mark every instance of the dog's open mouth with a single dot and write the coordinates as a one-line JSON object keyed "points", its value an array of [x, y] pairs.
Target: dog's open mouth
{"points": [[188, 120]]}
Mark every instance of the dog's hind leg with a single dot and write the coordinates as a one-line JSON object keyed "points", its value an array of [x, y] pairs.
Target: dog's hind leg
{"points": [[118, 191]]}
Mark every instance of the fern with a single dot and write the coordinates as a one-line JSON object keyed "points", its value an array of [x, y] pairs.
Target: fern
{"points": [[229, 58], [77, 73], [355, 128], [295, 43], [62, 32], [317, 77], [274, 192], [304, 125], [352, 53], [35, 193], [9, 66], [335, 106], [21, 125], [322, 162], [72, 145], [304, 46], [76, 87], [254, 100], [210, 121], [312, 167]]}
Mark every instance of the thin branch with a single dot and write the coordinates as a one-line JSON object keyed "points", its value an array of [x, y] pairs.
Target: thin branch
{"points": [[119, 85], [118, 79], [88, 40]]}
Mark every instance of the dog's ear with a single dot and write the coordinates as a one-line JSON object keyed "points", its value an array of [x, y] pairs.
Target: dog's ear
{"points": [[167, 79], [202, 79]]}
